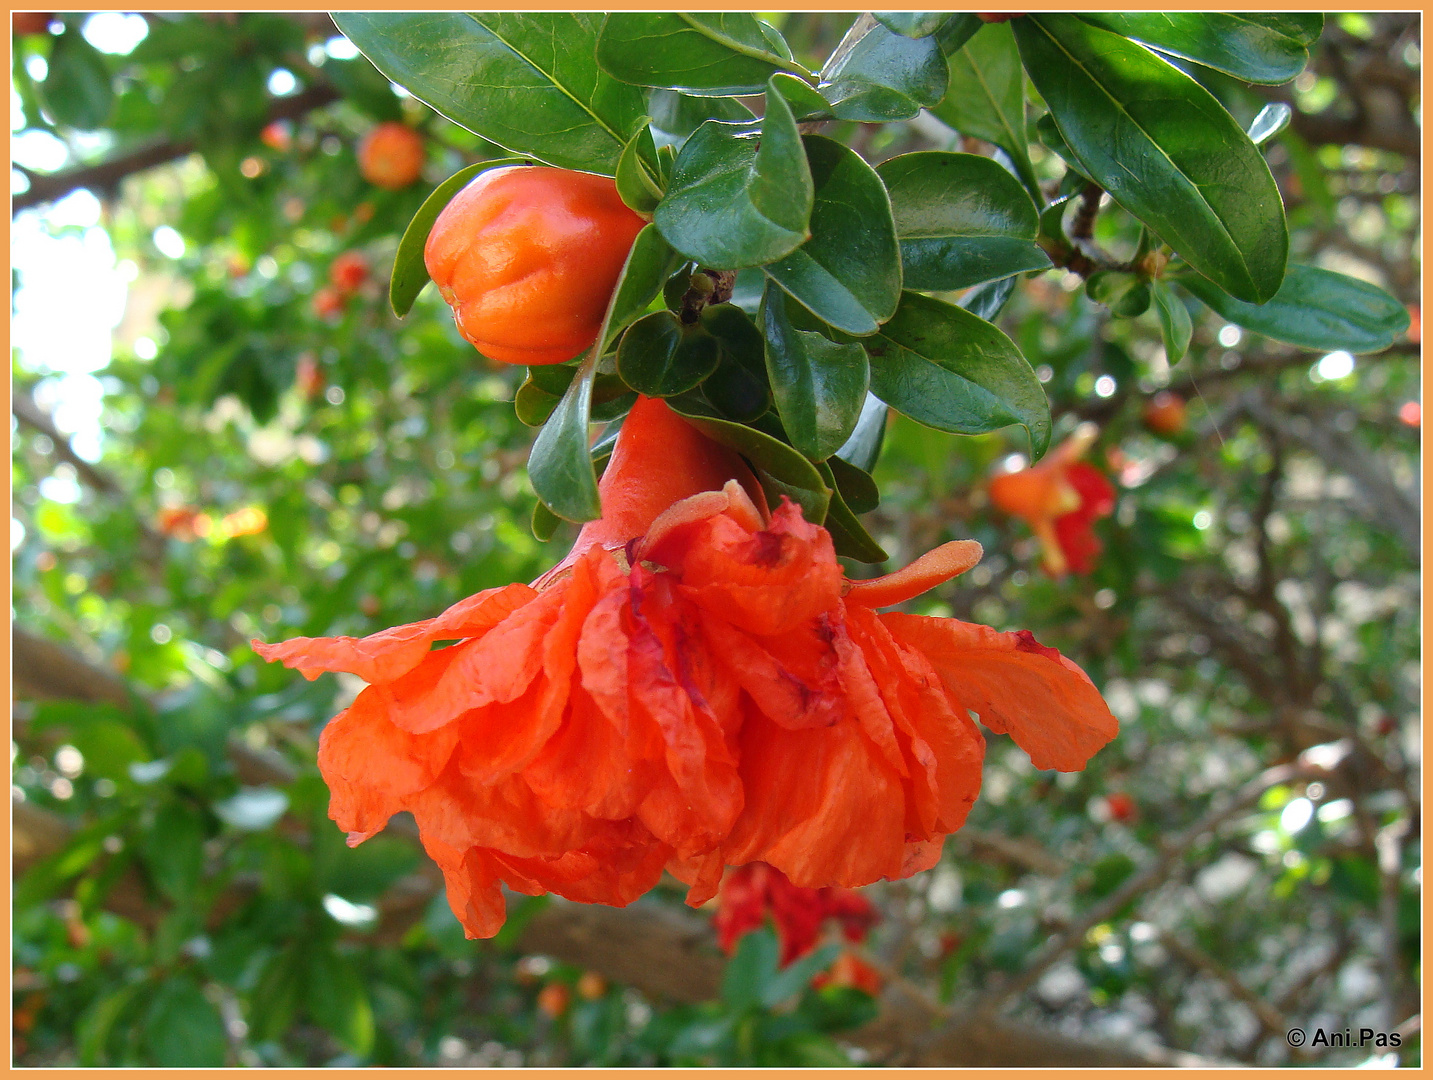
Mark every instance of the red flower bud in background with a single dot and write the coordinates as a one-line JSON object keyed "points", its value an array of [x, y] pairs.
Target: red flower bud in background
{"points": [[328, 303], [852, 972], [30, 22], [1166, 414], [277, 136], [750, 893], [1411, 413], [1415, 324], [391, 156], [998, 16], [1121, 806], [348, 272], [1061, 498], [591, 986], [308, 376]]}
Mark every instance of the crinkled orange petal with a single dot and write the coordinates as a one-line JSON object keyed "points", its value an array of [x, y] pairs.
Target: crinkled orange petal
{"points": [[1044, 701], [390, 653], [821, 805], [791, 678], [764, 583], [474, 892], [702, 874]]}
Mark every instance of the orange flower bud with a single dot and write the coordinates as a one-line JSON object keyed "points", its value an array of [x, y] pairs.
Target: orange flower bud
{"points": [[348, 272], [591, 986], [553, 999], [527, 258], [1166, 414]]}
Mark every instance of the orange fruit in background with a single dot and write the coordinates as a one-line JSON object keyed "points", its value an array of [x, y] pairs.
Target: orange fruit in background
{"points": [[1166, 414], [554, 998], [391, 155], [348, 272], [527, 258]]}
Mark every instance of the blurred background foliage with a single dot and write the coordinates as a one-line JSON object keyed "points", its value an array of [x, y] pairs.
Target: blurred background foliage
{"points": [[203, 455]]}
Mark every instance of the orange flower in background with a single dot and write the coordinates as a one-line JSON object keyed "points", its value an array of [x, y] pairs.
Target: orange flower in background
{"points": [[851, 971], [185, 523], [1061, 498], [749, 893], [391, 155], [696, 685]]}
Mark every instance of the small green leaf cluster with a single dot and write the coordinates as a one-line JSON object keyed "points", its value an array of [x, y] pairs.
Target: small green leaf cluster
{"points": [[783, 278]]}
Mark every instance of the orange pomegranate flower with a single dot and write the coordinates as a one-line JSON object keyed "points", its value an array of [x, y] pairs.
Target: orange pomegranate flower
{"points": [[696, 685], [850, 970], [1061, 498], [749, 893]]}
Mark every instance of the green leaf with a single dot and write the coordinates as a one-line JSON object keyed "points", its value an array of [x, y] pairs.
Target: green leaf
{"points": [[849, 272], [92, 1032], [884, 76], [182, 1029], [1125, 294], [1164, 148], [660, 357], [863, 449], [709, 53], [278, 994], [338, 1001], [848, 535], [949, 370], [559, 466], [958, 28], [650, 262], [960, 219], [1257, 47], [675, 116], [1049, 134], [858, 490], [173, 851], [637, 182], [913, 24], [533, 404], [1315, 309], [738, 198], [795, 977], [544, 522], [410, 272], [779, 467], [1174, 322], [819, 385], [78, 90], [805, 100], [986, 301], [986, 97], [1272, 119], [749, 971], [738, 388], [524, 80]]}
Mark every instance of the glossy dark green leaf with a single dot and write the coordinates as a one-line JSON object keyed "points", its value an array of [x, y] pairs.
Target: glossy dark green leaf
{"points": [[173, 852], [704, 53], [1316, 309], [805, 100], [961, 219], [738, 388], [675, 116], [850, 538], [1164, 149], [988, 300], [660, 357], [740, 198], [986, 96], [649, 263], [751, 968], [779, 467], [637, 180], [947, 369], [913, 24], [78, 90], [182, 1029], [863, 448], [1174, 322], [1125, 294], [819, 385], [793, 978], [553, 378], [1049, 134], [559, 466], [524, 80], [533, 404], [1272, 119], [884, 76], [857, 488], [958, 28], [410, 273], [849, 272], [1258, 47]]}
